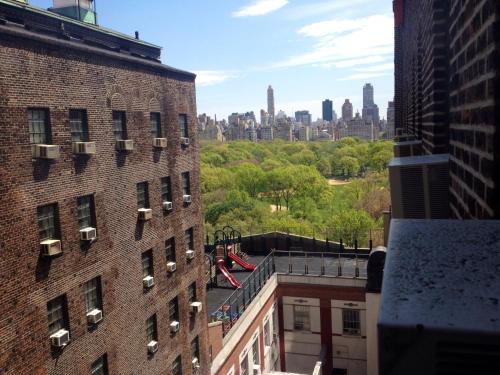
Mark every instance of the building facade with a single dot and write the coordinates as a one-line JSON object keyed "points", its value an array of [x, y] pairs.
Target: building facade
{"points": [[327, 107], [347, 112], [101, 220], [270, 104]]}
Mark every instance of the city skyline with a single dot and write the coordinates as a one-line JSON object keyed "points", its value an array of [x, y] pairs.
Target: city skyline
{"points": [[329, 48]]}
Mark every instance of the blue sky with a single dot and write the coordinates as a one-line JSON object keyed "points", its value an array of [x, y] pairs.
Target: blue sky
{"points": [[308, 50]]}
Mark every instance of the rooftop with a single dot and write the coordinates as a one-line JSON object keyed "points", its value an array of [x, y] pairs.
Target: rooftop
{"points": [[419, 160]]}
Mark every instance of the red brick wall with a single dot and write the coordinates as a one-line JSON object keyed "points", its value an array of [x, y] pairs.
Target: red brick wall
{"points": [[37, 75]]}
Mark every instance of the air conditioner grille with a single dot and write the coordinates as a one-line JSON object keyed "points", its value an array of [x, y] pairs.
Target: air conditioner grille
{"points": [[464, 358]]}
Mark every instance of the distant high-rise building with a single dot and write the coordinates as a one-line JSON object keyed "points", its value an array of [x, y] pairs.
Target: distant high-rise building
{"points": [[264, 118], [270, 103], [368, 95], [327, 110], [304, 117], [347, 110], [334, 116], [389, 131], [370, 109]]}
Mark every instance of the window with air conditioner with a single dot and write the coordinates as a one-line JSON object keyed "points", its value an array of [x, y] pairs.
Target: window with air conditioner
{"points": [[301, 318], [186, 185], [119, 125], [351, 324], [100, 366], [151, 334], [155, 124], [189, 239], [93, 300], [147, 269], [48, 222], [57, 315], [39, 126], [142, 195], [183, 125], [195, 348], [173, 310], [78, 125], [170, 250], [192, 292], [177, 366], [166, 192], [86, 217]]}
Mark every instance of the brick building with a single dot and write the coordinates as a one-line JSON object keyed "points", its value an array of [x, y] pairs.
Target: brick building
{"points": [[97, 136], [447, 93]]}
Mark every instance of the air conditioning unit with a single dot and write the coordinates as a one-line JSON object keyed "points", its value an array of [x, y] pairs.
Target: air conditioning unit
{"points": [[145, 214], [256, 369], [174, 326], [184, 141], [85, 148], [186, 198], [419, 187], [148, 281], [195, 363], [171, 266], [60, 338], [45, 151], [167, 206], [195, 307], [94, 316], [160, 142], [408, 148], [88, 234], [51, 247], [152, 347], [125, 144], [189, 254]]}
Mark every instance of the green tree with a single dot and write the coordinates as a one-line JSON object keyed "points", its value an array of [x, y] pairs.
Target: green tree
{"points": [[349, 166]]}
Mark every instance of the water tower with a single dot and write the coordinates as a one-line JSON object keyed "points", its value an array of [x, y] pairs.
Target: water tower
{"points": [[81, 10]]}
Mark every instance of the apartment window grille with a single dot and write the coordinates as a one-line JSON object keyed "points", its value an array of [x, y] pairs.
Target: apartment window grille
{"points": [[244, 366], [301, 318], [78, 125], [183, 124], [166, 190], [186, 185], [177, 366], [192, 292], [267, 334], [39, 127], [119, 125], [147, 263], [195, 348], [92, 291], [100, 366], [151, 332], [255, 352], [173, 310], [155, 123], [56, 314], [170, 249], [47, 222], [189, 239], [351, 322], [142, 195], [85, 211]]}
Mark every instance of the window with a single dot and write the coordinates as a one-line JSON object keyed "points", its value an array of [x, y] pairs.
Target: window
{"points": [[192, 292], [85, 211], [188, 239], [147, 263], [177, 366], [155, 122], [186, 188], [173, 310], [350, 322], [275, 321], [301, 318], [142, 195], [170, 249], [78, 125], [195, 348], [151, 332], [119, 125], [267, 334], [56, 314], [93, 297], [255, 352], [244, 366], [39, 128], [47, 222], [100, 366], [166, 190], [183, 125]]}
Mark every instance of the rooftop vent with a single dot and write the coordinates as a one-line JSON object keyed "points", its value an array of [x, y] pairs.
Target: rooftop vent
{"points": [[81, 10]]}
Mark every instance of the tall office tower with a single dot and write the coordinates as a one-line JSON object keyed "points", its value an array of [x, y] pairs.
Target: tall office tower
{"points": [[368, 95], [370, 110], [327, 110], [304, 117], [389, 131], [270, 104], [100, 223], [347, 113]]}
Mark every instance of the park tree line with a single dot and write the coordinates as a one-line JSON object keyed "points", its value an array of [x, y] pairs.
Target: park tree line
{"points": [[285, 186]]}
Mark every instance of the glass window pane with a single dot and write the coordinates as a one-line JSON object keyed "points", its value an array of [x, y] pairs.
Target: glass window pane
{"points": [[166, 195], [119, 125], [192, 292], [301, 318], [170, 249], [142, 195], [351, 322], [46, 222], [155, 123], [151, 329], [92, 290], [78, 125], [56, 314], [100, 366], [188, 239], [177, 366], [183, 126], [186, 189], [85, 208], [147, 264], [38, 126], [195, 348], [173, 310], [255, 352]]}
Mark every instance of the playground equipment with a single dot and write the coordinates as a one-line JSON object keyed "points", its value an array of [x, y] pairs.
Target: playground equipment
{"points": [[222, 268]]}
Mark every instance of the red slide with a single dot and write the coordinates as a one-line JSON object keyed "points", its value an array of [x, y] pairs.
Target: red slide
{"points": [[226, 273], [241, 262]]}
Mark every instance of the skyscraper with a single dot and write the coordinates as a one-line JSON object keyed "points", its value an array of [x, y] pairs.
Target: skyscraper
{"points": [[370, 109], [327, 110], [347, 110], [270, 104], [304, 117], [368, 95]]}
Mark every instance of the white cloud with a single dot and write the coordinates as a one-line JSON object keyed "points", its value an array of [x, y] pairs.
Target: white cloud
{"points": [[362, 76], [338, 41], [260, 8], [322, 8], [377, 68], [212, 77], [353, 62]]}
